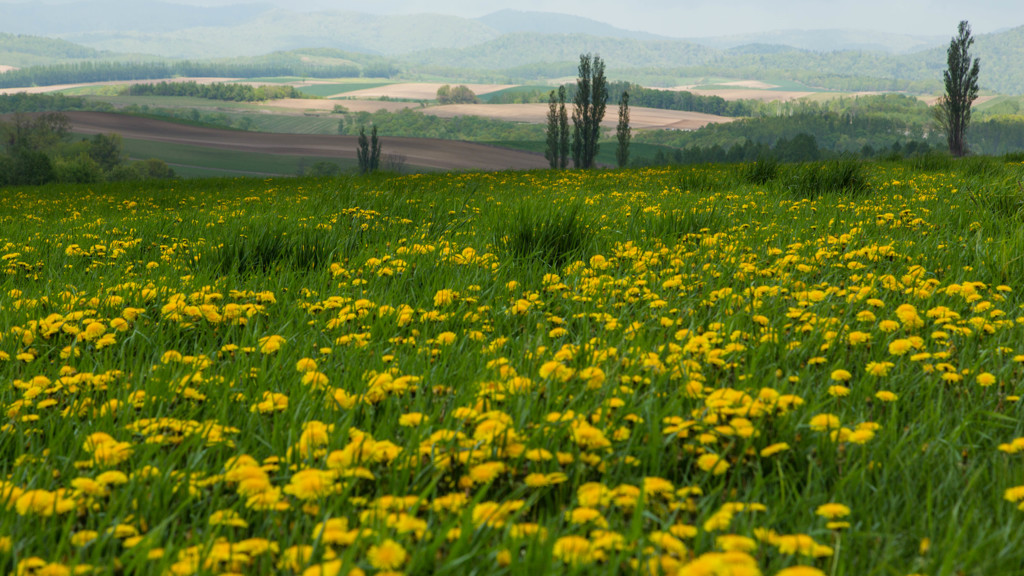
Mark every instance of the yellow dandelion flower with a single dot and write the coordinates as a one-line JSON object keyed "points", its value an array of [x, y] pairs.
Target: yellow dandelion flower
{"points": [[832, 511], [713, 463], [841, 375], [388, 555]]}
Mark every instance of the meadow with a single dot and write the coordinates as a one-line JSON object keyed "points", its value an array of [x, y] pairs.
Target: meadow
{"points": [[714, 370]]}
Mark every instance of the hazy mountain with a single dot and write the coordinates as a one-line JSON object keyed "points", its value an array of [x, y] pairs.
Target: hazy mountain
{"points": [[524, 48], [94, 16], [21, 50], [829, 40], [1000, 53], [510, 21], [280, 29]]}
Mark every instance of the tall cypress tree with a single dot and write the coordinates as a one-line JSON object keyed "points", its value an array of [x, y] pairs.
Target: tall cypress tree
{"points": [[622, 133], [953, 111], [551, 148], [374, 151], [589, 106], [581, 113], [563, 130], [363, 151]]}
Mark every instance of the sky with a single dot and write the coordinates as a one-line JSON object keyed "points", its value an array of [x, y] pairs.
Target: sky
{"points": [[696, 18]]}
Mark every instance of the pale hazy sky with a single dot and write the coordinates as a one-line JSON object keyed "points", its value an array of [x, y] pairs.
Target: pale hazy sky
{"points": [[694, 18]]}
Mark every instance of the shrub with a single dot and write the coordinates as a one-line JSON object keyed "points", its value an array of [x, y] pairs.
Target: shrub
{"points": [[843, 176], [761, 172], [553, 237], [81, 169]]}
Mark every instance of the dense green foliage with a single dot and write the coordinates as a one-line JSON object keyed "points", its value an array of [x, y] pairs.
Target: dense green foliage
{"points": [[57, 102], [682, 100], [37, 149], [313, 63], [24, 50], [217, 91], [458, 95], [409, 122]]}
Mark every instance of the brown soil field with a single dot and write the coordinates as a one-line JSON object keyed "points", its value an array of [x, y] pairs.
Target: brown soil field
{"points": [[639, 118], [299, 105], [748, 94], [420, 152], [6, 68], [752, 84], [931, 100], [58, 87], [420, 90]]}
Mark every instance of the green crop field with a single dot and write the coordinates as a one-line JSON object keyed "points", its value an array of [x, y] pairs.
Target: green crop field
{"points": [[796, 370], [202, 161], [292, 124], [325, 90]]}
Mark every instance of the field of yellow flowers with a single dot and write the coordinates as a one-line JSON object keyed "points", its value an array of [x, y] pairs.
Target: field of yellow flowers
{"points": [[660, 371]]}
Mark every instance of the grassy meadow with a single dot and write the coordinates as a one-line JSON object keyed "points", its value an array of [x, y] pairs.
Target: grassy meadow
{"points": [[720, 370]]}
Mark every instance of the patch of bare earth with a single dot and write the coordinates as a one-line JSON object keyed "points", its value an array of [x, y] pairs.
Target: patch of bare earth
{"points": [[295, 105], [59, 87], [421, 152], [933, 100], [747, 93], [6, 68], [419, 90], [639, 118]]}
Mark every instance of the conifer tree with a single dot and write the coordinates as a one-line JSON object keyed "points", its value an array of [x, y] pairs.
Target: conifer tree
{"points": [[953, 110], [588, 110], [622, 133]]}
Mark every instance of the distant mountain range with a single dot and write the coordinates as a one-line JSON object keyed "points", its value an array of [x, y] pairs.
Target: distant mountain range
{"points": [[179, 30], [505, 45]]}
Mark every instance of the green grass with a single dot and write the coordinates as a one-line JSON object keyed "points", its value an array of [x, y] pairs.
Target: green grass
{"points": [[643, 367], [201, 161], [542, 88], [638, 152], [325, 90], [280, 124]]}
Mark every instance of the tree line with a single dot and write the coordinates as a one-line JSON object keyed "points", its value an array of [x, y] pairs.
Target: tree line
{"points": [[84, 72], [57, 102], [217, 91], [681, 100], [37, 149]]}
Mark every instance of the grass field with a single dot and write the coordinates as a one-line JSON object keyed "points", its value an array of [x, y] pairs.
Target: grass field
{"points": [[200, 161], [605, 154], [741, 370], [282, 124], [325, 90]]}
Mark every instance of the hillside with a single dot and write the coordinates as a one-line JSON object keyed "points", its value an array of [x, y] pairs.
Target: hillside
{"points": [[96, 16], [280, 29], [528, 48], [503, 47], [828, 40], [21, 50], [511, 21]]}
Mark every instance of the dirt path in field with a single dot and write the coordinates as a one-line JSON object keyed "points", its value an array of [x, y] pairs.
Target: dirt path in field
{"points": [[639, 118], [421, 152]]}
